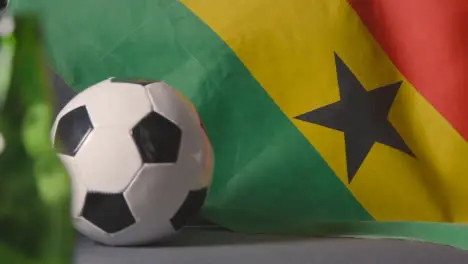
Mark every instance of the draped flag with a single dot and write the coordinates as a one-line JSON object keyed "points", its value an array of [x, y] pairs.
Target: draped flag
{"points": [[328, 117]]}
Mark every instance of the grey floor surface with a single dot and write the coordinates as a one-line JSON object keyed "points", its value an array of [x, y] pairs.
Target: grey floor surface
{"points": [[206, 246], [221, 247]]}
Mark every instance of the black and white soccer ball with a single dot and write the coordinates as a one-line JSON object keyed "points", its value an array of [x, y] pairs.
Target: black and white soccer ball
{"points": [[138, 157]]}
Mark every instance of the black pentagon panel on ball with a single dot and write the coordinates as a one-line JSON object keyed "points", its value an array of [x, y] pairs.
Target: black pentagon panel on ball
{"points": [[73, 129], [157, 139], [3, 4], [189, 209], [109, 212], [142, 82]]}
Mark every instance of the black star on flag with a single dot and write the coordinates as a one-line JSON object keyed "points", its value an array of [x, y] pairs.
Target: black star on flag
{"points": [[362, 115]]}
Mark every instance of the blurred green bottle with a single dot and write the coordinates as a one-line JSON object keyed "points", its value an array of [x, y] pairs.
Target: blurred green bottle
{"points": [[34, 189]]}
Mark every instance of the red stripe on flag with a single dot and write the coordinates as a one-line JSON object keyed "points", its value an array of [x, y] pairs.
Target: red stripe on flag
{"points": [[427, 40]]}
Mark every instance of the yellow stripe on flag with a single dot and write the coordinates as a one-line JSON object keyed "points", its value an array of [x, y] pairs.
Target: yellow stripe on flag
{"points": [[289, 46]]}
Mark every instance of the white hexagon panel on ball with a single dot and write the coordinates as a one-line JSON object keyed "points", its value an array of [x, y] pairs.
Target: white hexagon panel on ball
{"points": [[138, 157]]}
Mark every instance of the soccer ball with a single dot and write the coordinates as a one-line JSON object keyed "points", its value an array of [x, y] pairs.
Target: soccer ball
{"points": [[138, 157]]}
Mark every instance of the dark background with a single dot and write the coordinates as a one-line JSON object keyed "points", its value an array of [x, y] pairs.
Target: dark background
{"points": [[213, 245]]}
